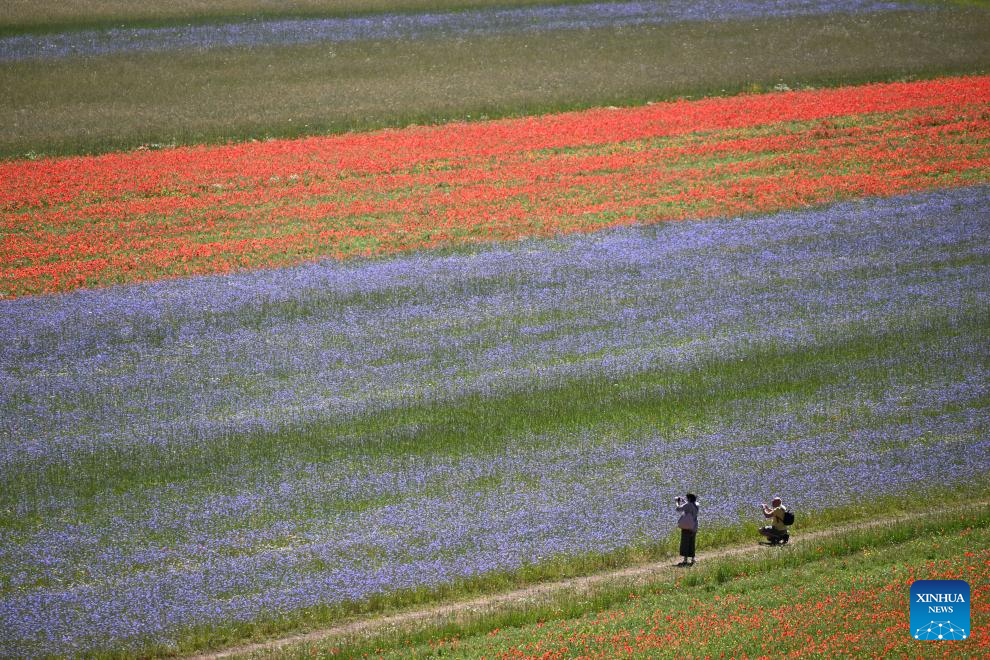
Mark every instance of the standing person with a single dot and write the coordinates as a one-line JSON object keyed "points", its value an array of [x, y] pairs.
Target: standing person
{"points": [[777, 526], [688, 524]]}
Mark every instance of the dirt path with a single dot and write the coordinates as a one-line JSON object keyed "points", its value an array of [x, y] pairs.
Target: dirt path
{"points": [[494, 602]]}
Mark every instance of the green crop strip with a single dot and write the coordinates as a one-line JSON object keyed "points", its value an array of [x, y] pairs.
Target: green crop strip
{"points": [[120, 102]]}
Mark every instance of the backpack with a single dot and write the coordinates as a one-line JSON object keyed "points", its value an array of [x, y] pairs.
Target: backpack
{"points": [[788, 517]]}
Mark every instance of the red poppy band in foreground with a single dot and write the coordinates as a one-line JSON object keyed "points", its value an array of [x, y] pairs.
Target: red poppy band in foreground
{"points": [[143, 215]]}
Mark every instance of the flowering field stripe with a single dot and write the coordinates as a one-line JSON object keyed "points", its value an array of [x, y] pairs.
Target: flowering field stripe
{"points": [[94, 221], [178, 363], [212, 452], [832, 601], [498, 20]]}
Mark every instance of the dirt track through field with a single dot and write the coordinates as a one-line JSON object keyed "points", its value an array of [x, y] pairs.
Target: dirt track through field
{"points": [[632, 575]]}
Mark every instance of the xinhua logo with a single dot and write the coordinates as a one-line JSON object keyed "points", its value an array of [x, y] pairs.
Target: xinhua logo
{"points": [[940, 609]]}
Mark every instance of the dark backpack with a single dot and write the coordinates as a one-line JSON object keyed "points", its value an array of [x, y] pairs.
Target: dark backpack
{"points": [[788, 517]]}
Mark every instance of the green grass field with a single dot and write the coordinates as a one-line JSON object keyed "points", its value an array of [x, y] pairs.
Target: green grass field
{"points": [[120, 102]]}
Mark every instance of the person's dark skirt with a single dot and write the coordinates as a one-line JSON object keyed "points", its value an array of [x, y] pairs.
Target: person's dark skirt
{"points": [[687, 543]]}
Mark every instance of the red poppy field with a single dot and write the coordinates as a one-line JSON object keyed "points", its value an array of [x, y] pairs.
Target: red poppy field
{"points": [[868, 618], [95, 221]]}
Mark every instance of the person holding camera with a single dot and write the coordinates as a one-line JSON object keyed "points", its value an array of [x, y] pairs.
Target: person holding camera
{"points": [[688, 524], [776, 512]]}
